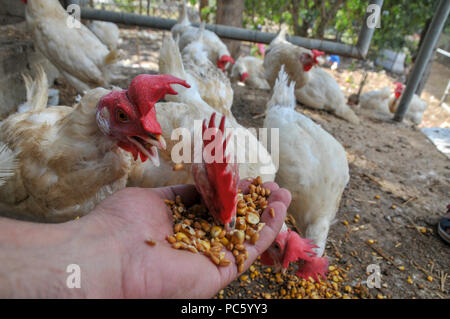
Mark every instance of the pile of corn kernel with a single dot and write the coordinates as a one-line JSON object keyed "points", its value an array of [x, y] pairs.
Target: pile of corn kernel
{"points": [[262, 282], [195, 230]]}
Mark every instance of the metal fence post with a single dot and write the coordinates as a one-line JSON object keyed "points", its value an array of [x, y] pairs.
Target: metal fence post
{"points": [[432, 36]]}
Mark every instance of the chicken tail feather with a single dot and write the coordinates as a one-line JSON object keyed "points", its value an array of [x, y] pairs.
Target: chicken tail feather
{"points": [[170, 61], [283, 91], [37, 91]]}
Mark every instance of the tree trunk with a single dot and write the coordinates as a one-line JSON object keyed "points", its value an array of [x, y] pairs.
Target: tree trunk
{"points": [[294, 11], [230, 12], [325, 17], [203, 4]]}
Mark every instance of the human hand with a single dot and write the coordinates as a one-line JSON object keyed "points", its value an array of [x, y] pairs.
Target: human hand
{"points": [[115, 262]]}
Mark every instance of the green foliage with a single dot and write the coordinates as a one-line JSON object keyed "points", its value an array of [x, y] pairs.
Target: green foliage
{"points": [[338, 20]]}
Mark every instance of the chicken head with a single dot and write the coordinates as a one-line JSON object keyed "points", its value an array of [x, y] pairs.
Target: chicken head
{"points": [[398, 91], [309, 60], [244, 77], [129, 116], [222, 63], [290, 247]]}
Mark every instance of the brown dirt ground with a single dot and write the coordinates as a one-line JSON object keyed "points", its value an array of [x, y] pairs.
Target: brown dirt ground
{"points": [[394, 161]]}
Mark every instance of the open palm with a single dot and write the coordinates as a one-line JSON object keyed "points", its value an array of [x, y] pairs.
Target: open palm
{"points": [[131, 268]]}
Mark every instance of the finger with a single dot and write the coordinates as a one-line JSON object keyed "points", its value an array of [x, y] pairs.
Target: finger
{"points": [[281, 195], [188, 193], [244, 185], [271, 185]]}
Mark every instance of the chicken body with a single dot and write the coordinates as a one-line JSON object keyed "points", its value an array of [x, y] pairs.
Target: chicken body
{"points": [[66, 165], [251, 70], [212, 84], [77, 53], [323, 92], [415, 109], [107, 32], [314, 87], [67, 159], [312, 165], [376, 100], [385, 102], [280, 52]]}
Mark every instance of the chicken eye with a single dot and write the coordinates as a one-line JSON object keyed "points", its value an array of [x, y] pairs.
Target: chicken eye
{"points": [[121, 116], [277, 246]]}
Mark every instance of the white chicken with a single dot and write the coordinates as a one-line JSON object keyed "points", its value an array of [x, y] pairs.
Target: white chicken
{"points": [[298, 60], [77, 53], [67, 159], [314, 87], [212, 84], [387, 103], [249, 70], [415, 109], [107, 32], [217, 51], [323, 92], [377, 100], [190, 108], [312, 165]]}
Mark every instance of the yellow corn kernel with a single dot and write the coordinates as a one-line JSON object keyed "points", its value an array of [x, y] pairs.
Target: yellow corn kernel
{"points": [[180, 236], [215, 231]]}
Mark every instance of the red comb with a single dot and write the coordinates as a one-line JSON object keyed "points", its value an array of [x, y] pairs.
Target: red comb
{"points": [[223, 61], [399, 87], [297, 248], [145, 90], [316, 54], [315, 267], [222, 174], [309, 60], [24, 1], [244, 76]]}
